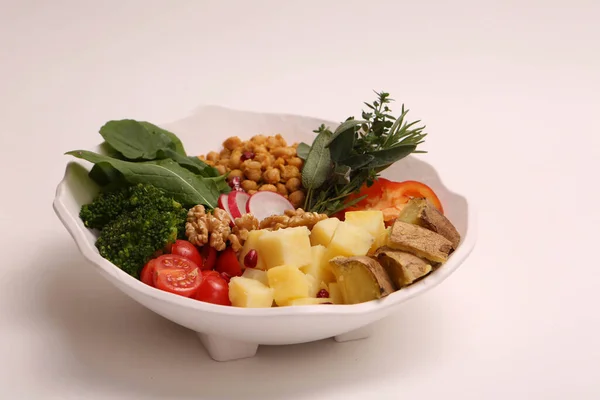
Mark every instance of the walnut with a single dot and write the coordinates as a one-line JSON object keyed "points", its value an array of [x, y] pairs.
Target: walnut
{"points": [[291, 219], [239, 233], [202, 227]]}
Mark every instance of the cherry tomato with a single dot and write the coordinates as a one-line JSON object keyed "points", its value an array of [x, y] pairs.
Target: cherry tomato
{"points": [[206, 273], [214, 289], [228, 263], [209, 255], [187, 250], [147, 273], [390, 197], [179, 281]]}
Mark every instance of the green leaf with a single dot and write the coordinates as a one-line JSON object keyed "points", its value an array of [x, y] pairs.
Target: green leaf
{"points": [[135, 140], [342, 146], [176, 141], [191, 163], [390, 155], [318, 163], [344, 126], [178, 182], [303, 150], [358, 161], [342, 174], [103, 174]]}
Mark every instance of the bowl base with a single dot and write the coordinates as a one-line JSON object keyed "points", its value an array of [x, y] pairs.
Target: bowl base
{"points": [[223, 349], [361, 333]]}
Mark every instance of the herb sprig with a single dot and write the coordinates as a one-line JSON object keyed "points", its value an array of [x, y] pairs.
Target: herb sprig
{"points": [[356, 152]]}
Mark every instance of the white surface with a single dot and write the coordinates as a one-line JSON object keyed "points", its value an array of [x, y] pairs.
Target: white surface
{"points": [[509, 92], [229, 332]]}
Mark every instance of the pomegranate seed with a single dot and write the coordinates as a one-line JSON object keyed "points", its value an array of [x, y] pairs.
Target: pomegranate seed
{"points": [[327, 303], [247, 155], [251, 259], [323, 294]]}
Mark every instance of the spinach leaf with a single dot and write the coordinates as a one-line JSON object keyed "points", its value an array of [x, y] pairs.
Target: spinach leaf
{"points": [[103, 174], [318, 163], [178, 145], [390, 155], [303, 150], [178, 182], [135, 140], [191, 163]]}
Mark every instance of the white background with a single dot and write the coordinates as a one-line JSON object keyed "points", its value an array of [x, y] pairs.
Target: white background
{"points": [[509, 91]]}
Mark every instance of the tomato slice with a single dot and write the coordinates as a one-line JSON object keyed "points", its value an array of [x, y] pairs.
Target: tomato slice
{"points": [[147, 273], [228, 263], [187, 250], [178, 281], [209, 255], [390, 197], [214, 289]]}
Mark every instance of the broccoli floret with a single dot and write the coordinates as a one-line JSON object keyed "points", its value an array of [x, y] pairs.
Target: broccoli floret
{"points": [[135, 223]]}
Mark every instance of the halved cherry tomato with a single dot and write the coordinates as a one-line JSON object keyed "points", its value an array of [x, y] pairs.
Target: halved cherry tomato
{"points": [[214, 289], [228, 263], [390, 197], [187, 250], [147, 273], [179, 281], [209, 255]]}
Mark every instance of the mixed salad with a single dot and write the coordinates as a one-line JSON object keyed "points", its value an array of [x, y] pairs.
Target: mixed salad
{"points": [[265, 223]]}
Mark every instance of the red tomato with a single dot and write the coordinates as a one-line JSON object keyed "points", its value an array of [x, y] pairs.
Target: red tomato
{"points": [[206, 273], [187, 250], [209, 255], [147, 273], [214, 289], [179, 281], [390, 197], [228, 263]]}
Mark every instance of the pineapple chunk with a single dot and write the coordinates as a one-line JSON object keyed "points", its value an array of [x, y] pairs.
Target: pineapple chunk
{"points": [[252, 244], [319, 267], [288, 283], [371, 221], [349, 240], [257, 275], [249, 293], [313, 285], [309, 301], [335, 293], [289, 246], [323, 231], [381, 240]]}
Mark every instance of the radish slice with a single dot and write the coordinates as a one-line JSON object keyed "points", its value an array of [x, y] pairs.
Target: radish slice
{"points": [[237, 201], [265, 204], [223, 203]]}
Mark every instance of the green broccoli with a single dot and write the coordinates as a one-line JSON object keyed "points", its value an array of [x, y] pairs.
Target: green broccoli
{"points": [[135, 223]]}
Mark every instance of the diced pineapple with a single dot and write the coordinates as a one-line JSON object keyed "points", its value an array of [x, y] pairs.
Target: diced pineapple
{"points": [[309, 301], [252, 244], [257, 275], [319, 267], [381, 240], [288, 283], [313, 285], [322, 232], [371, 221], [289, 246], [349, 240], [335, 293], [249, 293]]}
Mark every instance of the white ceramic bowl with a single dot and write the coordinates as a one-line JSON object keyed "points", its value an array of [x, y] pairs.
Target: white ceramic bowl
{"points": [[230, 333]]}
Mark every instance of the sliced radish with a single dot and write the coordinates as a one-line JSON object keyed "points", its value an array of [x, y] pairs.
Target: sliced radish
{"points": [[223, 203], [265, 204], [237, 201]]}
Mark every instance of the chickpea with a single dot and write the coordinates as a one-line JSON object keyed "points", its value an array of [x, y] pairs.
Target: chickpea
{"points": [[234, 173], [259, 139], [253, 173], [272, 142], [259, 149], [251, 192], [281, 140], [293, 184], [225, 153], [289, 171], [268, 187], [281, 189], [249, 185], [213, 156], [236, 159], [284, 152], [221, 169], [265, 159], [279, 162], [296, 162], [223, 161], [250, 164], [271, 175], [232, 143], [297, 198]]}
